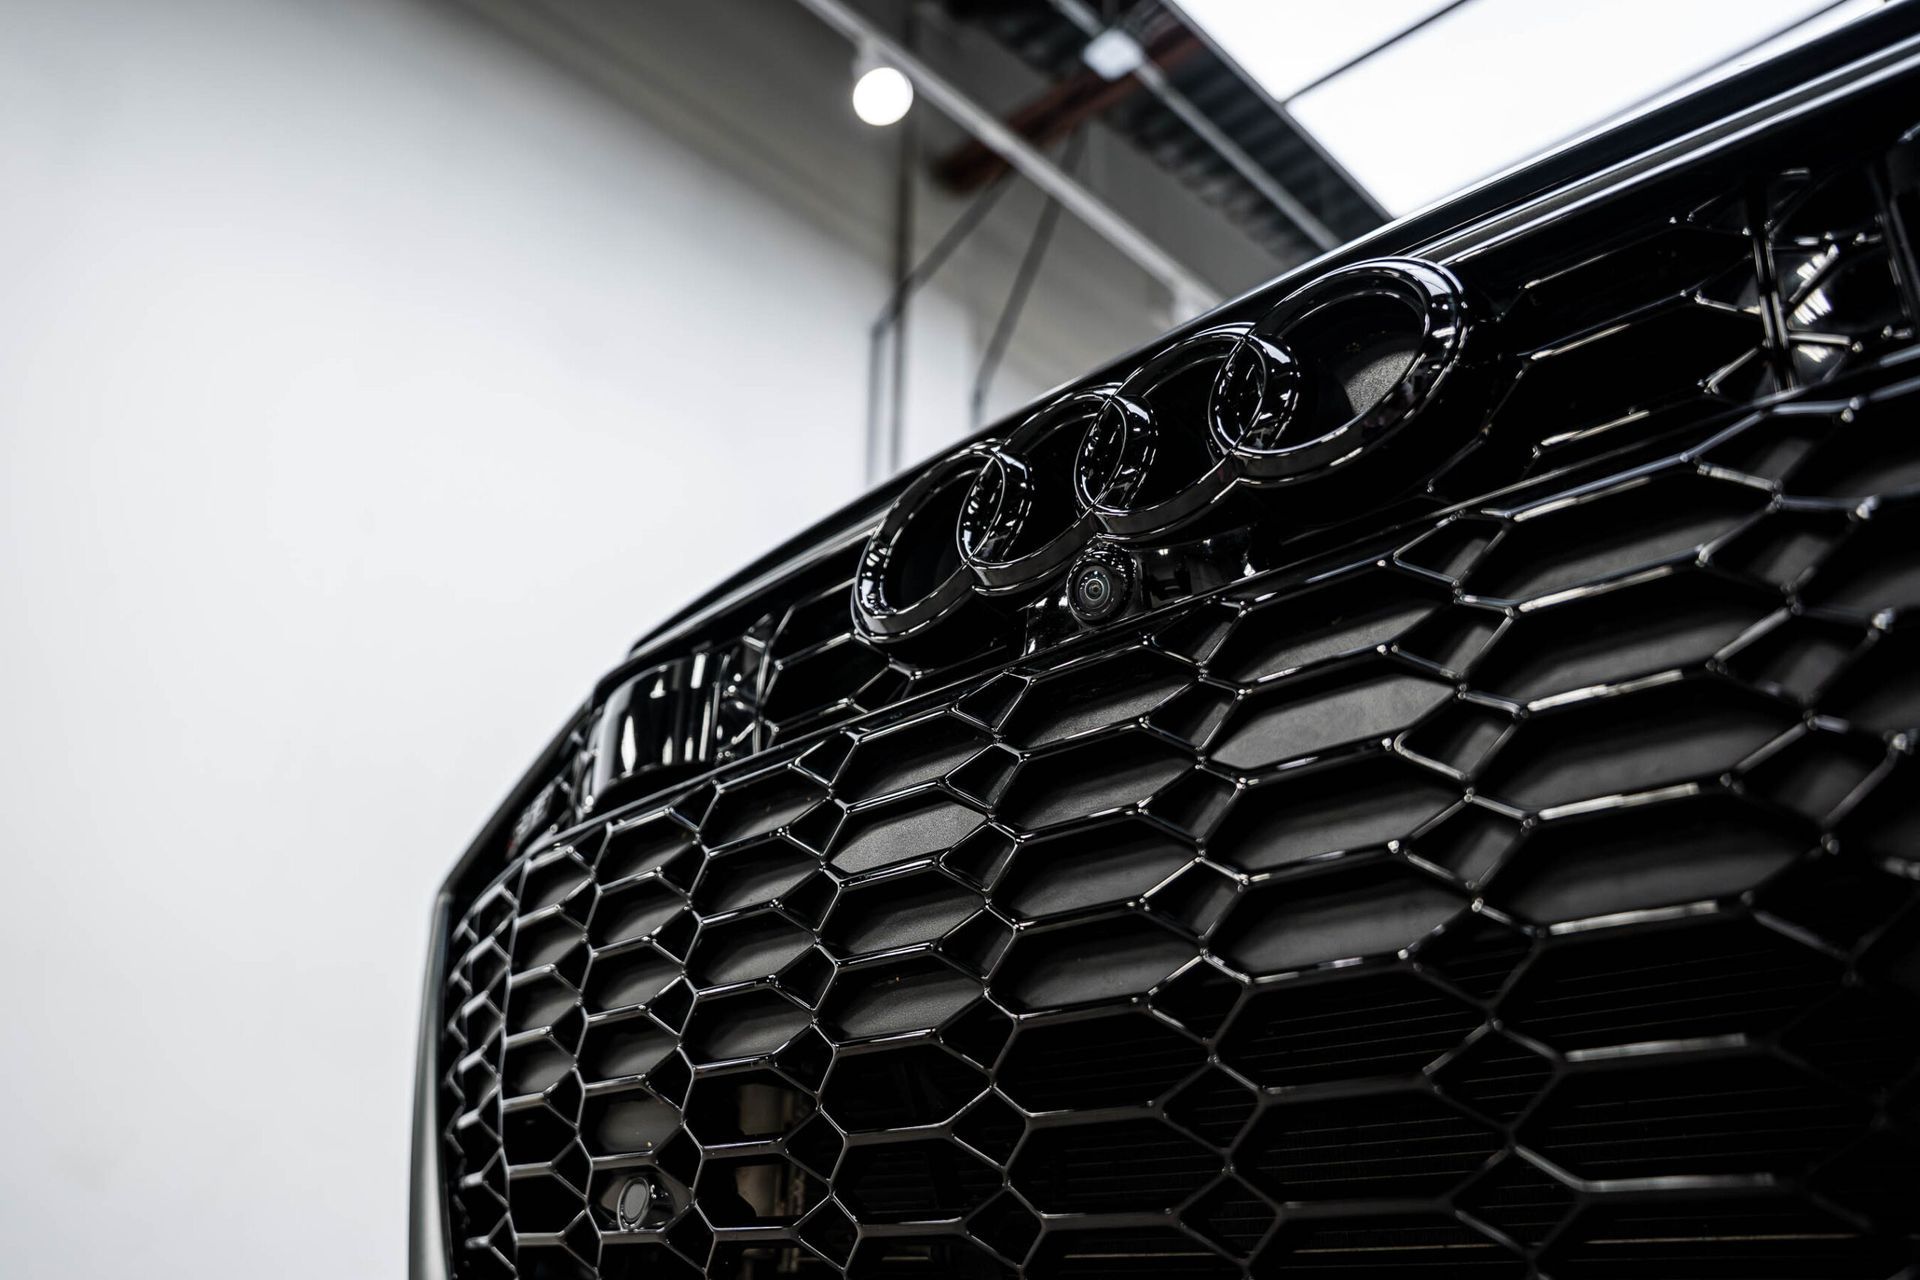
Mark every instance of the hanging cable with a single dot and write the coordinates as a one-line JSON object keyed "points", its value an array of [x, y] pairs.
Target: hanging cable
{"points": [[902, 264], [1017, 293], [904, 288]]}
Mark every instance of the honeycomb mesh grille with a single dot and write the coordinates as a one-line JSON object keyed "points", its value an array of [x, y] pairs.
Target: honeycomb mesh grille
{"points": [[1780, 284], [1528, 892], [1560, 917]]}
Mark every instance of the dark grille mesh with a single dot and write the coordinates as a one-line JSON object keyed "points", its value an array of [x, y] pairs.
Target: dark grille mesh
{"points": [[1532, 943], [1532, 894], [1785, 282]]}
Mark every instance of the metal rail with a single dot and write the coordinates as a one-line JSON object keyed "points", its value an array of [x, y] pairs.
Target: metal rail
{"points": [[1256, 175], [1188, 289]]}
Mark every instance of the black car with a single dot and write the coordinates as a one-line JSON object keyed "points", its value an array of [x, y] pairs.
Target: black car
{"points": [[1410, 774]]}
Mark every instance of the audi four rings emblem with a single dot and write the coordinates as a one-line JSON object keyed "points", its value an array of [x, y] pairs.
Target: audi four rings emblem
{"points": [[1304, 393]]}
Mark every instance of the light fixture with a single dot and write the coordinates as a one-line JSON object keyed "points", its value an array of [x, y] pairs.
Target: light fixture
{"points": [[881, 94], [1113, 53]]}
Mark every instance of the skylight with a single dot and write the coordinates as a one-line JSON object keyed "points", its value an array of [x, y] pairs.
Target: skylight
{"points": [[1485, 84]]}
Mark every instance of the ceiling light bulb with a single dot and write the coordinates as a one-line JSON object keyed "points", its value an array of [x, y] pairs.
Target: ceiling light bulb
{"points": [[1113, 53], [882, 95]]}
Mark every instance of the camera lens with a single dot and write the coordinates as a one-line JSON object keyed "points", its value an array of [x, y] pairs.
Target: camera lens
{"points": [[1098, 586]]}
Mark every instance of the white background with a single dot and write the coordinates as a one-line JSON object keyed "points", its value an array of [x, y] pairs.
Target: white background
{"points": [[364, 380]]}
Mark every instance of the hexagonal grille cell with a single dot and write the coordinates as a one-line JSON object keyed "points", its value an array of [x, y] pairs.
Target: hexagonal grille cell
{"points": [[1379, 1248], [914, 1181], [1099, 960], [1671, 623], [1091, 777], [1657, 738], [1390, 1146], [899, 1088], [1355, 614], [1367, 908], [1765, 1236], [918, 827], [1132, 1252], [899, 911], [895, 997], [747, 1025], [1351, 806], [1663, 855], [1092, 695], [1297, 720], [920, 751], [1667, 1119], [758, 806], [1647, 523], [756, 946], [1117, 1167], [1622, 987], [1096, 1062], [1105, 864], [1526, 890]]}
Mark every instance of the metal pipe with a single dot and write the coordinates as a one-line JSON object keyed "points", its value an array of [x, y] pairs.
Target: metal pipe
{"points": [[1280, 109], [1374, 50], [1058, 111], [903, 209], [1187, 288], [1256, 175]]}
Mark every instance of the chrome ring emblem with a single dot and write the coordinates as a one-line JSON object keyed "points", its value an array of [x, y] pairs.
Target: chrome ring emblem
{"points": [[910, 574], [1329, 372], [1147, 464], [1370, 344], [1256, 398], [1022, 519]]}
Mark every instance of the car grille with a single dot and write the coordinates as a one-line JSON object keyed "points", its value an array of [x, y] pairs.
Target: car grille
{"points": [[1518, 886]]}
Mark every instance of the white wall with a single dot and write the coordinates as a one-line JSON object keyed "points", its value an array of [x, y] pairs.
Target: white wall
{"points": [[366, 384], [762, 86]]}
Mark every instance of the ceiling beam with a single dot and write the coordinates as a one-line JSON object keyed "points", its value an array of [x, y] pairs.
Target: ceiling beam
{"points": [[1255, 174], [1056, 112], [1188, 289]]}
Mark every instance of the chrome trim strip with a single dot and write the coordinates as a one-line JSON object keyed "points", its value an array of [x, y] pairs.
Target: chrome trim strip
{"points": [[427, 1213]]}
